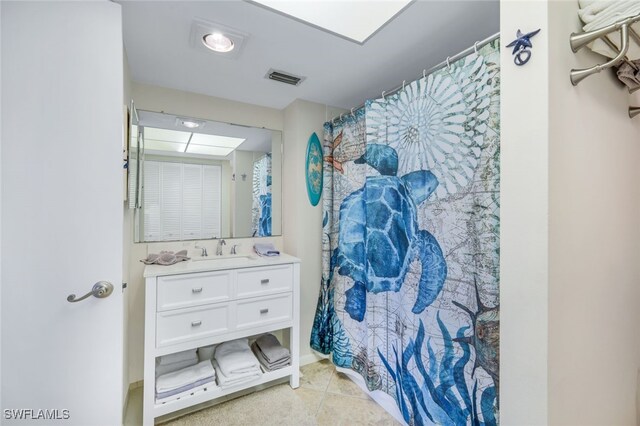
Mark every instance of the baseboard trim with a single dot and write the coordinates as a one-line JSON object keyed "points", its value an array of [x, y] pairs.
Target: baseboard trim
{"points": [[311, 358], [135, 385]]}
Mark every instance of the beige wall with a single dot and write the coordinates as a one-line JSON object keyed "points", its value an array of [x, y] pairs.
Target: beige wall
{"points": [[524, 196], [594, 238], [303, 222], [570, 232]]}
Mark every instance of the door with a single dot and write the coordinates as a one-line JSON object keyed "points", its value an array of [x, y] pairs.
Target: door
{"points": [[62, 212]]}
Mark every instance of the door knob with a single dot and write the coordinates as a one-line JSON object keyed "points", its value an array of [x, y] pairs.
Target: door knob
{"points": [[101, 289]]}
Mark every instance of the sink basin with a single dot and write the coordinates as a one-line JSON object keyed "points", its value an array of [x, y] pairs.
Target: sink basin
{"points": [[239, 258]]}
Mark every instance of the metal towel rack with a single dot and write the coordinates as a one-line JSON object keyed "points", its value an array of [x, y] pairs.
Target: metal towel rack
{"points": [[623, 27]]}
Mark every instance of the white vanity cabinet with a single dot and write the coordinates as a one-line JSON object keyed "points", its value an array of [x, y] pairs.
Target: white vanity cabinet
{"points": [[193, 304]]}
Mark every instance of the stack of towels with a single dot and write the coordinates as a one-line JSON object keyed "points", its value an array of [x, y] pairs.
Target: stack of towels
{"points": [[597, 14], [185, 382], [235, 364], [271, 354], [174, 362]]}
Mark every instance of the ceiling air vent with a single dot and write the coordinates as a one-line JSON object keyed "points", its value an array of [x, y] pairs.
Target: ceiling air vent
{"points": [[283, 77]]}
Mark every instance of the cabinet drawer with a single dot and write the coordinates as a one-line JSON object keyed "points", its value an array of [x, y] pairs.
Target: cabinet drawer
{"points": [[181, 291], [193, 323], [252, 313], [258, 281]]}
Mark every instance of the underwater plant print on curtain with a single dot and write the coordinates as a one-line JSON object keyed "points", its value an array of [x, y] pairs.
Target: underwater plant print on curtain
{"points": [[409, 296]]}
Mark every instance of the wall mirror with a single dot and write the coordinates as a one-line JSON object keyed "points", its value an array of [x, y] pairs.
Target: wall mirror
{"points": [[195, 179]]}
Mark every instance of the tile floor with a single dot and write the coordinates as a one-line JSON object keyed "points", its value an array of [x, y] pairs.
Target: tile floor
{"points": [[325, 397]]}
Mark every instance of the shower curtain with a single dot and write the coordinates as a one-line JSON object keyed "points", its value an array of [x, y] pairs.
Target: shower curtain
{"points": [[261, 206], [409, 298]]}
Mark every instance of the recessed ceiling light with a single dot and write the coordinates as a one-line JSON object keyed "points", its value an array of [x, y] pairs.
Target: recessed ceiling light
{"points": [[218, 42], [190, 124]]}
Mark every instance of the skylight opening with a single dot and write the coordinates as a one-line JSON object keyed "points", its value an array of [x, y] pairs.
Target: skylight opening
{"points": [[352, 20]]}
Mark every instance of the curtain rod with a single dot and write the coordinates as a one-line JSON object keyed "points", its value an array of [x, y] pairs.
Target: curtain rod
{"points": [[477, 45]]}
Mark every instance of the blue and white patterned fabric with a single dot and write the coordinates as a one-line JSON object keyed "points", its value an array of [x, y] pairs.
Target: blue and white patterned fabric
{"points": [[261, 208], [409, 298]]}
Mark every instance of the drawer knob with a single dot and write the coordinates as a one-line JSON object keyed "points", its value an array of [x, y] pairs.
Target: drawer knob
{"points": [[196, 323], [196, 290], [264, 311], [264, 281]]}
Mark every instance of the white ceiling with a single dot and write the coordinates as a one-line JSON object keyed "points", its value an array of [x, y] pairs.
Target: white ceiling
{"points": [[338, 72]]}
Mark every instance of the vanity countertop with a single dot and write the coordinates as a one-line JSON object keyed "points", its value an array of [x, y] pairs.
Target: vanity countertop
{"points": [[213, 264]]}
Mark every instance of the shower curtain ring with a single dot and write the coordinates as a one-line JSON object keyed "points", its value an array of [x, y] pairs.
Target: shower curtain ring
{"points": [[383, 94], [448, 64], [403, 82], [352, 113], [475, 47]]}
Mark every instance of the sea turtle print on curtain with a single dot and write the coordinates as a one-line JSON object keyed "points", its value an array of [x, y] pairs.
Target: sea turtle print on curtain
{"points": [[409, 297]]}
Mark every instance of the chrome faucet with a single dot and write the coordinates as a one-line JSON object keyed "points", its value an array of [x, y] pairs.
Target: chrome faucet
{"points": [[204, 250], [221, 243], [233, 248]]}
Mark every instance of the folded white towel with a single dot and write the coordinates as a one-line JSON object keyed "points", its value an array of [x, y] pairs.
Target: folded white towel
{"points": [[600, 13], [180, 378], [236, 357], [178, 357], [170, 368], [209, 386], [589, 9], [238, 378]]}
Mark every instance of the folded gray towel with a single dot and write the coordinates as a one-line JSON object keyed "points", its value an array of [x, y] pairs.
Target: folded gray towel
{"points": [[265, 364], [271, 348], [166, 258], [629, 75]]}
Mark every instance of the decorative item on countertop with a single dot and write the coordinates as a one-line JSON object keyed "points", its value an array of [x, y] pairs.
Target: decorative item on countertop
{"points": [[521, 46], [166, 258], [313, 169], [266, 249]]}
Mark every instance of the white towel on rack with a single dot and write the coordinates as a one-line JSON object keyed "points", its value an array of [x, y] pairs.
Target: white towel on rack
{"points": [[600, 13], [237, 378], [184, 377], [236, 357], [189, 355]]}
